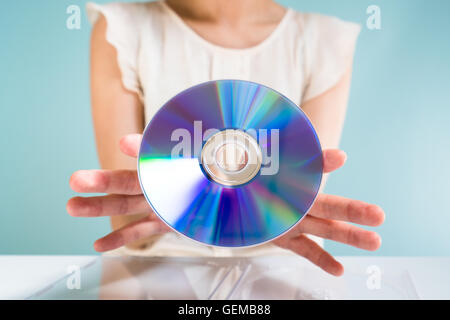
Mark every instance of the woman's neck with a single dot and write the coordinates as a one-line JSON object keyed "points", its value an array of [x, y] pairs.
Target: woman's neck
{"points": [[229, 12]]}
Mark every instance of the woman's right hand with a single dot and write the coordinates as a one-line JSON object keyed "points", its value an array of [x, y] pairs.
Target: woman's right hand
{"points": [[124, 197]]}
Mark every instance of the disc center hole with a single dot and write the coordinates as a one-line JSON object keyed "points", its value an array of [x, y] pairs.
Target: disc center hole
{"points": [[231, 157]]}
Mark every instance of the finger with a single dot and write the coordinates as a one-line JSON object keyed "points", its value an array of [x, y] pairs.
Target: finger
{"points": [[309, 249], [334, 207], [106, 181], [110, 205], [130, 233], [341, 232], [130, 144], [333, 159]]}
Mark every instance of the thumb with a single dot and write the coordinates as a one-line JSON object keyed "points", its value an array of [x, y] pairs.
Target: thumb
{"points": [[130, 144], [333, 159]]}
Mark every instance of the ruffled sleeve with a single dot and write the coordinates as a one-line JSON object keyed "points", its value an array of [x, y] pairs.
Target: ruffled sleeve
{"points": [[123, 34], [329, 47]]}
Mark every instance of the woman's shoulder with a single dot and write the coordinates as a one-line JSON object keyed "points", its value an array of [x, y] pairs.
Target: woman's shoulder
{"points": [[132, 12], [318, 25], [328, 47]]}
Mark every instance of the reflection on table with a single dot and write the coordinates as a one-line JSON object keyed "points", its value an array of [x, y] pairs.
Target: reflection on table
{"points": [[283, 277]]}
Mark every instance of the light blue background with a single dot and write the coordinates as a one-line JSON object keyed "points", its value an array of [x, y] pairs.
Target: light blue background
{"points": [[397, 131]]}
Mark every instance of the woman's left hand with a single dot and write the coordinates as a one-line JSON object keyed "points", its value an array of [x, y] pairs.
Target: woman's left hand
{"points": [[328, 218]]}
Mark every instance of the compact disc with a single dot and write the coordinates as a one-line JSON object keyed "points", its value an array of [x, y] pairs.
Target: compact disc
{"points": [[230, 163]]}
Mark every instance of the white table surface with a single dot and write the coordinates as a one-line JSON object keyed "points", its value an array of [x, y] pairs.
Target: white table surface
{"points": [[24, 275]]}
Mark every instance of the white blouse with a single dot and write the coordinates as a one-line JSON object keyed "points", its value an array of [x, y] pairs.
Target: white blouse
{"points": [[159, 55]]}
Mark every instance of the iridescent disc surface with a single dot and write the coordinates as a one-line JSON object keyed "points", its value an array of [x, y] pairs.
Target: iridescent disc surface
{"points": [[179, 191]]}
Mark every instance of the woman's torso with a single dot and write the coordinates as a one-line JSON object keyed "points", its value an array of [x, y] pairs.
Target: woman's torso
{"points": [[159, 55]]}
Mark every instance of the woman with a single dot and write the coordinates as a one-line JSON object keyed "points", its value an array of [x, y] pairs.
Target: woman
{"points": [[142, 54]]}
